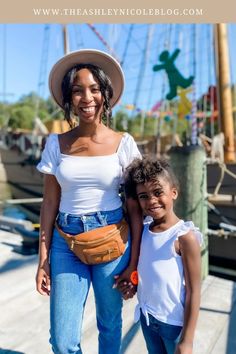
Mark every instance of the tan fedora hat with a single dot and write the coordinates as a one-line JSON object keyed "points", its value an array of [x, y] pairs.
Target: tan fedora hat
{"points": [[106, 62]]}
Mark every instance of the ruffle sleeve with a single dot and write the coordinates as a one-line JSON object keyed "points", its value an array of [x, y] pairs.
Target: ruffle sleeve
{"points": [[50, 156], [189, 226], [127, 151]]}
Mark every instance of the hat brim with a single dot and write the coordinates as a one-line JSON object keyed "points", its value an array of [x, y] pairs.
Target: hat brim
{"points": [[106, 62]]}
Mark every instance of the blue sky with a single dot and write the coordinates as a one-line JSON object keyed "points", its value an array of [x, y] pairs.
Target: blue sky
{"points": [[21, 66]]}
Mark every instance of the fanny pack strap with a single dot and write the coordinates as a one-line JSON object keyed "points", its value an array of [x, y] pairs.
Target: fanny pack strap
{"points": [[69, 237], [62, 233]]}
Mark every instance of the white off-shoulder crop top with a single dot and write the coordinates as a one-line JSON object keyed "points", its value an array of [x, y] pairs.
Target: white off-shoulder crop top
{"points": [[88, 183]]}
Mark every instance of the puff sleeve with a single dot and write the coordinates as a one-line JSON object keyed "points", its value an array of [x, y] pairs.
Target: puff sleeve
{"points": [[128, 151], [50, 156], [189, 226]]}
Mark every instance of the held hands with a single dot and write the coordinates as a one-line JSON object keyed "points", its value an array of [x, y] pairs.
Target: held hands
{"points": [[124, 284], [43, 279]]}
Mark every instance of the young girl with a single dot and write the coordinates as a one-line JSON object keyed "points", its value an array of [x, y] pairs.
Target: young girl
{"points": [[169, 263]]}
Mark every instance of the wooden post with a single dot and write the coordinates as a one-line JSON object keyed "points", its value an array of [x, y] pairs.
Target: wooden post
{"points": [[189, 165], [224, 88]]}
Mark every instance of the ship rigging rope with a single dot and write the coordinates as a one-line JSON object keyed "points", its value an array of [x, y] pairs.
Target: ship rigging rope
{"points": [[224, 170], [127, 44], [142, 67], [178, 43], [104, 42], [163, 101]]}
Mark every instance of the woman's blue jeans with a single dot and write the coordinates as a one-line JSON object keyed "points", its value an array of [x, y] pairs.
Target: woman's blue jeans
{"points": [[160, 338], [70, 283]]}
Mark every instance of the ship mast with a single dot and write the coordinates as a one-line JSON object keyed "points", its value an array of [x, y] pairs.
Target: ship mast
{"points": [[224, 90], [65, 39]]}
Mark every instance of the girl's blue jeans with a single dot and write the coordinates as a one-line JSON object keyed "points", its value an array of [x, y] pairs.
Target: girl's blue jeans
{"points": [[70, 283], [160, 337]]}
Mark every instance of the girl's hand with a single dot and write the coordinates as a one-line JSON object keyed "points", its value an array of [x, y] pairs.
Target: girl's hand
{"points": [[184, 348], [127, 289], [43, 279], [130, 292]]}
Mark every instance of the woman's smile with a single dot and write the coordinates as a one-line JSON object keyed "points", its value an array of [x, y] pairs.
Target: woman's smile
{"points": [[86, 95], [88, 111]]}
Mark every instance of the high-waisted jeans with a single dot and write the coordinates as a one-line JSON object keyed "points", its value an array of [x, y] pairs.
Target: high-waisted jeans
{"points": [[70, 283]]}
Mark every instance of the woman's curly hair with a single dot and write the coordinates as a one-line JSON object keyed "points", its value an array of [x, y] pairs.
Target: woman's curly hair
{"points": [[105, 88], [145, 170]]}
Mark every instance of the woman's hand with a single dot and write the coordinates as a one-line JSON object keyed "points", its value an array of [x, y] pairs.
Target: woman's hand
{"points": [[124, 285], [184, 348], [43, 278]]}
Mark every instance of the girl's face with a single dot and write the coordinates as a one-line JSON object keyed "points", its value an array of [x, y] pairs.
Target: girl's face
{"points": [[156, 198], [87, 98]]}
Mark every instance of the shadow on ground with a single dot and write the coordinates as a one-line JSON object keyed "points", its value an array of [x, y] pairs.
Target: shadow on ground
{"points": [[129, 336], [17, 263]]}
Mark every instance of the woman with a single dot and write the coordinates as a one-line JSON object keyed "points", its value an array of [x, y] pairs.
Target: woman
{"points": [[83, 171]]}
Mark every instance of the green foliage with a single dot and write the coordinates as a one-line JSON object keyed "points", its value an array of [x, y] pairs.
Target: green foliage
{"points": [[2, 114], [53, 110], [134, 125], [120, 121], [21, 114], [146, 127], [150, 126]]}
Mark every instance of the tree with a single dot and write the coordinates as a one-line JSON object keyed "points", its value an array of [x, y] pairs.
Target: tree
{"points": [[120, 121], [21, 117], [21, 114]]}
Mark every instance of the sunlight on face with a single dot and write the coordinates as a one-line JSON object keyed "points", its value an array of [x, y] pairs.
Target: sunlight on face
{"points": [[87, 98], [156, 197]]}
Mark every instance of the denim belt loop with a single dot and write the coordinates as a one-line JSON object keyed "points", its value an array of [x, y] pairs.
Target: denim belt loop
{"points": [[84, 219], [65, 219], [102, 218]]}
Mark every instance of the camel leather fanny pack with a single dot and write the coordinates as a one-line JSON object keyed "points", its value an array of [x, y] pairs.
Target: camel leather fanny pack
{"points": [[100, 245]]}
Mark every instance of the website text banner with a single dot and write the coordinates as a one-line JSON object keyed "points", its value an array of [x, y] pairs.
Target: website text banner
{"points": [[122, 11]]}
